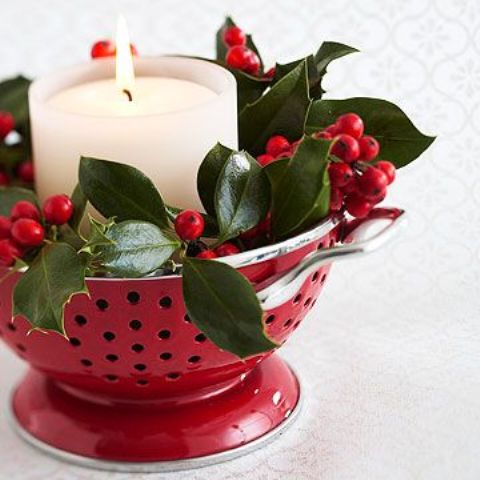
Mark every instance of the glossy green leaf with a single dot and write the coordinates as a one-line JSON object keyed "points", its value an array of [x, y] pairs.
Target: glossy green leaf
{"points": [[121, 191], [281, 111], [275, 171], [400, 141], [14, 99], [208, 174], [97, 235], [302, 196], [136, 249], [242, 197], [9, 196], [55, 276], [79, 201], [222, 303]]}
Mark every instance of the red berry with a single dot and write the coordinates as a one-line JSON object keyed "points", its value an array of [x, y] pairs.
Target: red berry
{"points": [[28, 232], [336, 200], [102, 49], [276, 145], [227, 249], [346, 148], [357, 205], [270, 73], [322, 135], [340, 174], [388, 168], [265, 159], [25, 172], [332, 130], [5, 227], [351, 124], [207, 254], [24, 209], [242, 58], [234, 36], [7, 124], [8, 253], [253, 63], [58, 209], [189, 225], [372, 183], [4, 180], [351, 186], [369, 148]]}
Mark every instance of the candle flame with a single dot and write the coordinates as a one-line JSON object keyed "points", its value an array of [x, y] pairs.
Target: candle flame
{"points": [[125, 72]]}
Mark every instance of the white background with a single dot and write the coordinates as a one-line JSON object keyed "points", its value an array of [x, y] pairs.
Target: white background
{"points": [[390, 355]]}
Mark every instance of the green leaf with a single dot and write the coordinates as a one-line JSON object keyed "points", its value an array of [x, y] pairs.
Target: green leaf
{"points": [[9, 196], [281, 111], [303, 194], [400, 141], [121, 191], [222, 303], [242, 197], [55, 276], [211, 227], [14, 99], [79, 201], [97, 235], [12, 155], [208, 174], [137, 249], [275, 171], [249, 88]]}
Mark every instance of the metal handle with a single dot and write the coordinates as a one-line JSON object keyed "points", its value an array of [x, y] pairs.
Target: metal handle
{"points": [[357, 243]]}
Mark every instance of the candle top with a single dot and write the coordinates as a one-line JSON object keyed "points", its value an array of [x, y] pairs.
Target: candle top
{"points": [[151, 95]]}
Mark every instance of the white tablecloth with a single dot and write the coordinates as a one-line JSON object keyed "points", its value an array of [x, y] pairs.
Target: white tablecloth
{"points": [[390, 355]]}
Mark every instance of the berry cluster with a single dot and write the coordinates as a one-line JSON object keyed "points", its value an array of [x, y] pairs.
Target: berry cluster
{"points": [[357, 185], [190, 226], [107, 48], [24, 171], [239, 56], [25, 228]]}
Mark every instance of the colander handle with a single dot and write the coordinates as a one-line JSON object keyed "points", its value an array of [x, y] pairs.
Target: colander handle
{"points": [[357, 242]]}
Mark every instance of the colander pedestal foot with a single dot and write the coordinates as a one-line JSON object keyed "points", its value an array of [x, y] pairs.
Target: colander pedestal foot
{"points": [[131, 437]]}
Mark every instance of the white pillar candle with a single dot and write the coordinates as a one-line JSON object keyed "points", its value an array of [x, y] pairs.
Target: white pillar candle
{"points": [[181, 107]]}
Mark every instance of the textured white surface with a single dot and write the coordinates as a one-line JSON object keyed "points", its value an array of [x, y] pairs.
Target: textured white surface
{"points": [[390, 355]]}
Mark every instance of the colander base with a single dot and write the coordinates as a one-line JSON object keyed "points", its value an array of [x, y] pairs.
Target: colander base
{"points": [[135, 439]]}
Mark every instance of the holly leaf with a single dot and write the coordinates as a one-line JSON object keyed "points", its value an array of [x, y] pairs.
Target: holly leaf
{"points": [[281, 111], [121, 191], [249, 88], [9, 196], [208, 174], [79, 201], [275, 171], [55, 276], [14, 99], [242, 196], [97, 235], [400, 141], [222, 303], [302, 196], [135, 249]]}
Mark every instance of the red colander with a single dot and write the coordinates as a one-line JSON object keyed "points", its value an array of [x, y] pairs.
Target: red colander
{"points": [[139, 388]]}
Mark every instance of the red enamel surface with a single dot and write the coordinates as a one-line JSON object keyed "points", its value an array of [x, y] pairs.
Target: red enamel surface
{"points": [[133, 348]]}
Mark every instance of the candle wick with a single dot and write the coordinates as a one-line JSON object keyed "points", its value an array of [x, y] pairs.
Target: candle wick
{"points": [[128, 94]]}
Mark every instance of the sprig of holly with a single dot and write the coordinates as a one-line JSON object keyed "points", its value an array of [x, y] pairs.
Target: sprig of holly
{"points": [[301, 158]]}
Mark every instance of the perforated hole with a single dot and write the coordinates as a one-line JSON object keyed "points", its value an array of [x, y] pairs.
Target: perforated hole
{"points": [[138, 347], [80, 320], [270, 319], [194, 359], [297, 298], [86, 363], [200, 338], [135, 325], [75, 342], [165, 302], [296, 325], [140, 367], [315, 277], [102, 304], [187, 319], [324, 277], [142, 383], [308, 301], [111, 378], [111, 357], [11, 327], [133, 297], [109, 336], [332, 242], [173, 376], [320, 246], [314, 302], [21, 347], [288, 323], [165, 356], [164, 334]]}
